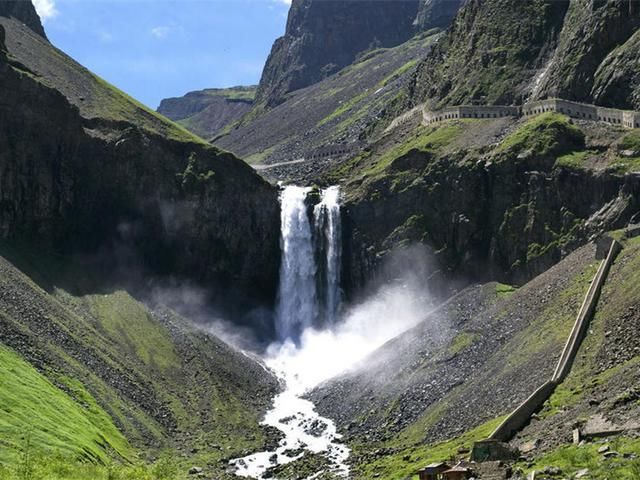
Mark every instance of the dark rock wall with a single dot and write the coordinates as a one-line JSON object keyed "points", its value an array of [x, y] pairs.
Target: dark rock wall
{"points": [[144, 202], [437, 13], [205, 114], [507, 221]]}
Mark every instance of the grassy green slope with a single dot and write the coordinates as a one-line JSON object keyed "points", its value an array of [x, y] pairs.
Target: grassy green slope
{"points": [[127, 378], [532, 348], [94, 97], [65, 418]]}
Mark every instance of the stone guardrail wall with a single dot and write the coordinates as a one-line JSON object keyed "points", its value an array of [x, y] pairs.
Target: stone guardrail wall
{"points": [[415, 112], [522, 415], [626, 118]]}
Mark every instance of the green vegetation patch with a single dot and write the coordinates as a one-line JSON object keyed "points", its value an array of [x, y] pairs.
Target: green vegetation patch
{"points": [[428, 140], [551, 329], [236, 93], [462, 341], [503, 290], [573, 159], [626, 164], [109, 102], [631, 141], [63, 417], [406, 460], [129, 324], [572, 458], [547, 135], [34, 465]]}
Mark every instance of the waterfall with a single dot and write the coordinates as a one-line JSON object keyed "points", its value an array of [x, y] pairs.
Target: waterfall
{"points": [[328, 234], [297, 303], [309, 291], [308, 296]]}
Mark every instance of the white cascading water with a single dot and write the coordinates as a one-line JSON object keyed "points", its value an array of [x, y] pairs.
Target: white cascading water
{"points": [[303, 293], [309, 352], [328, 227], [297, 301]]}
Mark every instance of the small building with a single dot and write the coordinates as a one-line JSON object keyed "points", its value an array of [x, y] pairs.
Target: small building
{"points": [[433, 471], [459, 472]]}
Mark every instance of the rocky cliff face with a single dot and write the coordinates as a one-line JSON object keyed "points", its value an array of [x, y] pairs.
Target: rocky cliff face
{"points": [[597, 55], [23, 11], [144, 194], [506, 51], [491, 52], [207, 112], [323, 36]]}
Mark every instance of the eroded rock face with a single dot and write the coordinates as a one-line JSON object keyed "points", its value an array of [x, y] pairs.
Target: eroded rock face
{"points": [[323, 36], [588, 64], [24, 11], [132, 198], [491, 52]]}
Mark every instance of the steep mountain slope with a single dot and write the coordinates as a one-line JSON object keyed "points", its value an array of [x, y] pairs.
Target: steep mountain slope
{"points": [[479, 355], [470, 361], [505, 51], [334, 111], [125, 377], [85, 169], [594, 34], [323, 36], [207, 112], [491, 52], [102, 199]]}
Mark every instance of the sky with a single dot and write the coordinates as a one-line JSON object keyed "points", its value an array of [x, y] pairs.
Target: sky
{"points": [[154, 49]]}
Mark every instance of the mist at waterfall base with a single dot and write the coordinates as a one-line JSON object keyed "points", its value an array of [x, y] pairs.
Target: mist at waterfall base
{"points": [[319, 339], [323, 353]]}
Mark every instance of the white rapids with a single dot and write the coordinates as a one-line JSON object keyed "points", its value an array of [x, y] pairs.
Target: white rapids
{"points": [[304, 431]]}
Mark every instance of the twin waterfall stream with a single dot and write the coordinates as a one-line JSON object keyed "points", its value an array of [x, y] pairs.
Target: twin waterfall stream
{"points": [[308, 298]]}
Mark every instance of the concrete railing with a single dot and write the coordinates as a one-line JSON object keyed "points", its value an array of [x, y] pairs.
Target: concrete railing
{"points": [[522, 415]]}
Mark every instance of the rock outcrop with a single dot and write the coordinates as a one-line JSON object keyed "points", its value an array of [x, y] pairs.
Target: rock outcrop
{"points": [[491, 52], [597, 54]]}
